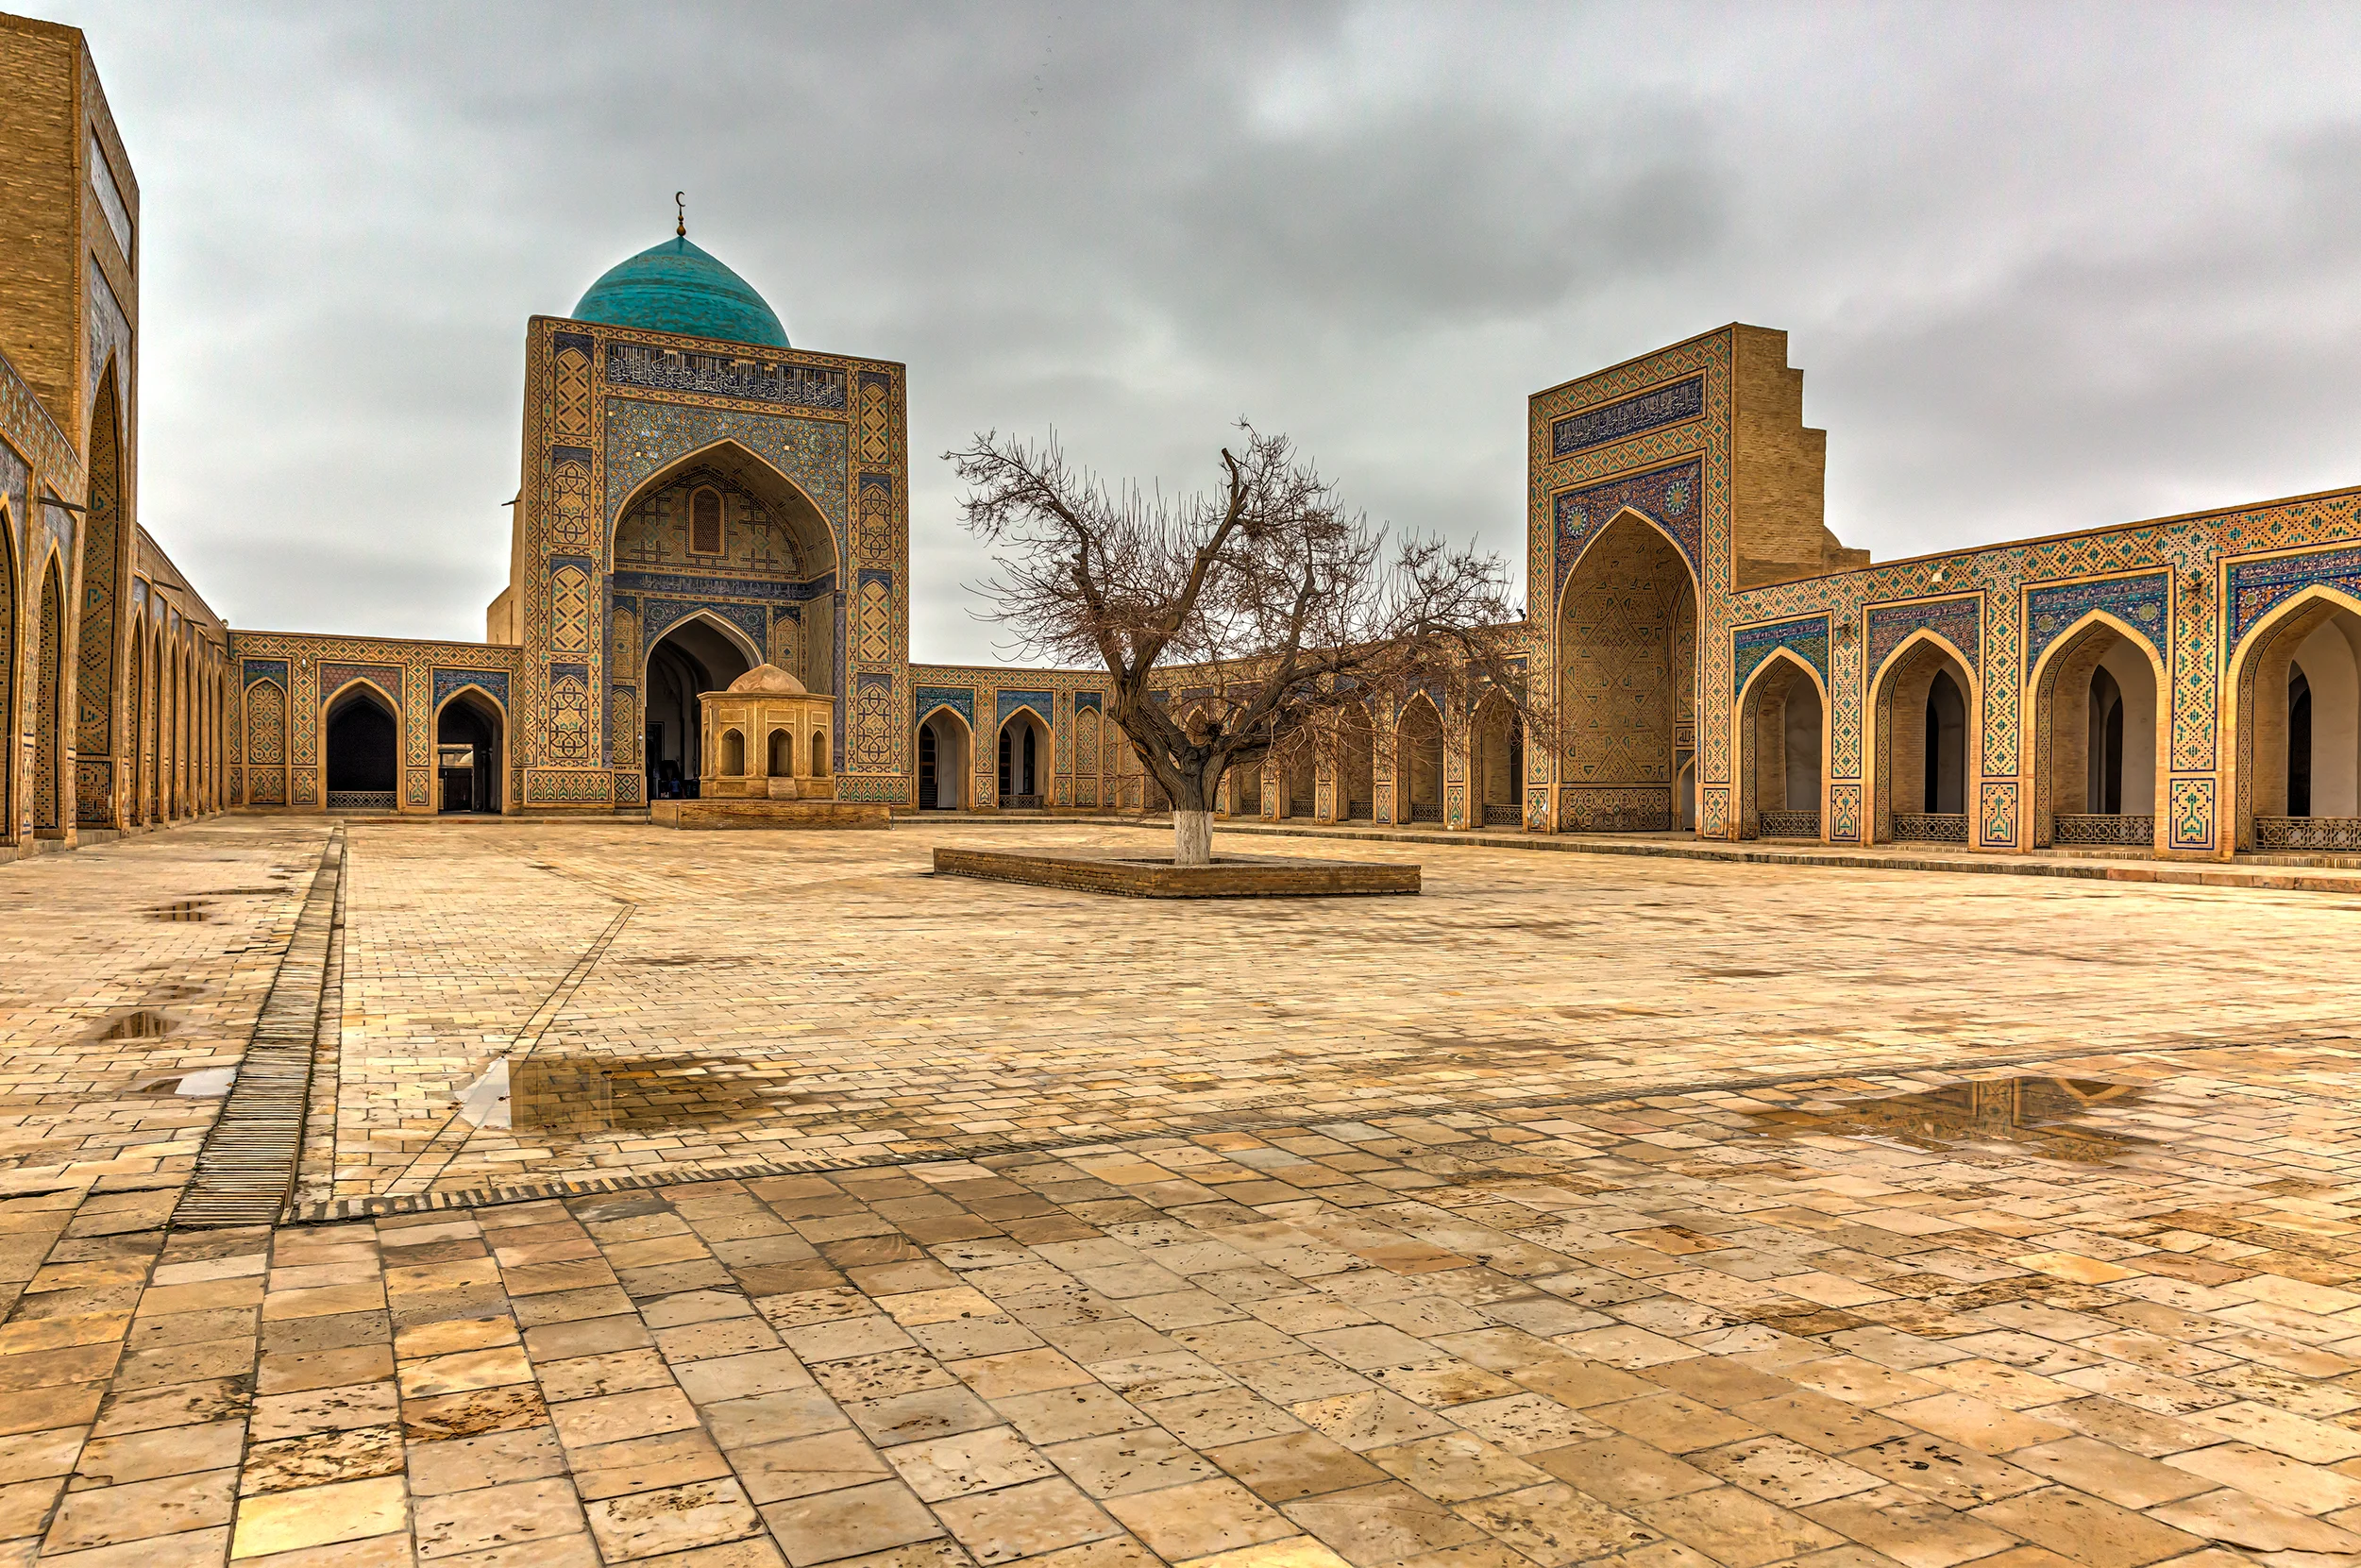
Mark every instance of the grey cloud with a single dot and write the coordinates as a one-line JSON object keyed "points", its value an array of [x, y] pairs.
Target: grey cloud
{"points": [[2044, 268]]}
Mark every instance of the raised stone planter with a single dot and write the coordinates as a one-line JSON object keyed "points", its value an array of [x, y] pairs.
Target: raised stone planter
{"points": [[768, 814], [1230, 876]]}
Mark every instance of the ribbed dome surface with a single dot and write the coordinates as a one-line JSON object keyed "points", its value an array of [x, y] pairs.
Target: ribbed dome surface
{"points": [[675, 287], [769, 681]]}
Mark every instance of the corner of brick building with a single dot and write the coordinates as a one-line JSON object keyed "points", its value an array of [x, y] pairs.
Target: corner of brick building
{"points": [[1779, 470], [41, 68]]}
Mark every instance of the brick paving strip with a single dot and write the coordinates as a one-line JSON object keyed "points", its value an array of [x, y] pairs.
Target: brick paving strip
{"points": [[246, 1173]]}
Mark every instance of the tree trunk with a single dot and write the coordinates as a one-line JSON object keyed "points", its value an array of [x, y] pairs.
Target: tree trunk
{"points": [[1192, 837]]}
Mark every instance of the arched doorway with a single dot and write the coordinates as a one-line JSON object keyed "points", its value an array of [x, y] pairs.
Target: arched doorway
{"points": [[1498, 736], [1025, 761], [362, 749], [698, 655], [158, 716], [1246, 784], [1298, 770], [1627, 681], [1418, 762], [50, 806], [2298, 685], [1922, 711], [467, 734], [2096, 737], [1357, 766], [943, 743], [1781, 733], [97, 726], [8, 730]]}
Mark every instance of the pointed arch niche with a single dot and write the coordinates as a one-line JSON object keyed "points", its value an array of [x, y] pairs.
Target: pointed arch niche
{"points": [[702, 653], [1497, 737], [2098, 734], [361, 748], [470, 734], [1783, 762], [1418, 762], [1026, 760], [945, 743], [1925, 718], [1627, 682], [2297, 680]]}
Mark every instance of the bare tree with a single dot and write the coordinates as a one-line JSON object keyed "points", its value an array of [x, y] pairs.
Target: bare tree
{"points": [[1235, 625]]}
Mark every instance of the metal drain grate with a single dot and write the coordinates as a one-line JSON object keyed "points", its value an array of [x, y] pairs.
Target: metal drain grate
{"points": [[246, 1173]]}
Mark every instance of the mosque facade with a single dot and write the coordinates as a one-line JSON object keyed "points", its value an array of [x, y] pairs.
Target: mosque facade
{"points": [[700, 501]]}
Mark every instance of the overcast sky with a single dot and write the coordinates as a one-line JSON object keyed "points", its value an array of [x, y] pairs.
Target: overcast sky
{"points": [[2045, 267]]}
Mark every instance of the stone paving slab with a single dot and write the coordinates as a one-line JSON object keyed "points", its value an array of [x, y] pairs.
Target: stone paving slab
{"points": [[2106, 1315], [823, 996]]}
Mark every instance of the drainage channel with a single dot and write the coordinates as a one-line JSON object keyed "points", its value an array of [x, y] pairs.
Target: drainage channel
{"points": [[246, 1173]]}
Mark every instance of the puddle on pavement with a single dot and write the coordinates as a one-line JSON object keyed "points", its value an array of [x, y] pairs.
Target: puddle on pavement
{"points": [[181, 909], [572, 1097], [204, 1084], [2049, 1117], [145, 1024]]}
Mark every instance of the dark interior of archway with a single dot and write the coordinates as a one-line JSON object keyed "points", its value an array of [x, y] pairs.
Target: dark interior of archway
{"points": [[1947, 745], [469, 720], [942, 758], [2106, 745], [2299, 743], [693, 657], [1021, 751], [360, 746]]}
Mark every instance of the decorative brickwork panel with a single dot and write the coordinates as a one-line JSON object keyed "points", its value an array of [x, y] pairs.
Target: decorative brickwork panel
{"points": [[569, 388], [493, 682], [872, 724], [2258, 587], [1807, 638], [2142, 602], [1650, 410], [811, 386], [2192, 812], [571, 516], [1958, 621], [1670, 497], [1845, 813], [1995, 814], [266, 741], [644, 438], [336, 676]]}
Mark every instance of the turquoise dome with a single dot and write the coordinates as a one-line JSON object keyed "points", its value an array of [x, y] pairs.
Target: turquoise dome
{"points": [[675, 287]]}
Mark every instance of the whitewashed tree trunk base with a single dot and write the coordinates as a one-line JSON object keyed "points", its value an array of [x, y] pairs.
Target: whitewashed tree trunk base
{"points": [[1192, 838]]}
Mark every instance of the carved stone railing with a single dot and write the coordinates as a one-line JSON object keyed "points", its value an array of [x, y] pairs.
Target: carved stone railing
{"points": [[2342, 833], [1788, 824], [361, 800], [2075, 827], [1361, 811], [1930, 827], [1432, 812], [1021, 802], [1510, 815]]}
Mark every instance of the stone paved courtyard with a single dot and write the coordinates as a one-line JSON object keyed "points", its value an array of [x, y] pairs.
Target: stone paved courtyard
{"points": [[1582, 1208]]}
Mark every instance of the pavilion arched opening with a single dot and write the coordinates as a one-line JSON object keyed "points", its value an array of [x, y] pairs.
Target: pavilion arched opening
{"points": [[1627, 682]]}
